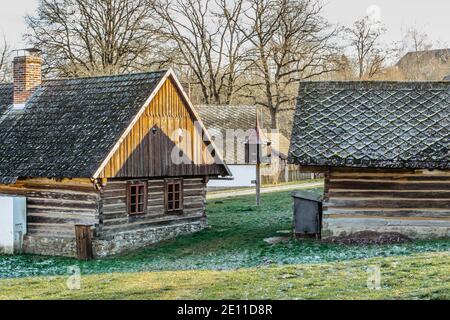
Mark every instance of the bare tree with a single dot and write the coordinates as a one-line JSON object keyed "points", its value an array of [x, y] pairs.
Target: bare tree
{"points": [[417, 40], [5, 61], [364, 37], [291, 41], [209, 44], [418, 60], [90, 37]]}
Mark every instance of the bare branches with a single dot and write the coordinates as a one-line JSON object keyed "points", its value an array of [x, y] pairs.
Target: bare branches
{"points": [[228, 50], [90, 37], [291, 41], [417, 60], [208, 40], [364, 37], [5, 61]]}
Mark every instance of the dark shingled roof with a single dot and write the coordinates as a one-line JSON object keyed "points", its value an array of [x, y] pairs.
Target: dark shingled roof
{"points": [[6, 97], [219, 119], [68, 127], [228, 117], [372, 124]]}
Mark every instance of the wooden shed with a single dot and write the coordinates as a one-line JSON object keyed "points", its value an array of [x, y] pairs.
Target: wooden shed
{"points": [[125, 156], [385, 150]]}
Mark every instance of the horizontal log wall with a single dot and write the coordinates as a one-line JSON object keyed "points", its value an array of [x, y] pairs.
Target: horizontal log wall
{"points": [[407, 200], [115, 217], [54, 207]]}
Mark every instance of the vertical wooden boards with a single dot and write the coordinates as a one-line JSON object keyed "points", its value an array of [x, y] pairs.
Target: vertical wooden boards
{"points": [[83, 236], [166, 128]]}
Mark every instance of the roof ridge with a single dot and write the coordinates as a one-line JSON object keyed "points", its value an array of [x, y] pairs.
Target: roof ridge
{"points": [[430, 50], [225, 106], [375, 81], [107, 76]]}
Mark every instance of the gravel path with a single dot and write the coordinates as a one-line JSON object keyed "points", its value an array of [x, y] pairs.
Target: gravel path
{"points": [[235, 193]]}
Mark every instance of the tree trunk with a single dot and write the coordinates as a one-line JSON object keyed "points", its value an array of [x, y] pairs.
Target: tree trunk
{"points": [[274, 120]]}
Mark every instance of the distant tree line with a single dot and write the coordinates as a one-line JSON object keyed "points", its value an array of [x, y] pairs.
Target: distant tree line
{"points": [[225, 51], [5, 61]]}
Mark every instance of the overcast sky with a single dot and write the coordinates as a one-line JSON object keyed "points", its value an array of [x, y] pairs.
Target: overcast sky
{"points": [[429, 15]]}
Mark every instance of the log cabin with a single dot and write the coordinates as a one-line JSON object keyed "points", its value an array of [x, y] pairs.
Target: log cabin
{"points": [[384, 149], [104, 164]]}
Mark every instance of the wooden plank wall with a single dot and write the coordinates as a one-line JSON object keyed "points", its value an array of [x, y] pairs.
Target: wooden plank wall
{"points": [[147, 154], [115, 217], [55, 207], [400, 195]]}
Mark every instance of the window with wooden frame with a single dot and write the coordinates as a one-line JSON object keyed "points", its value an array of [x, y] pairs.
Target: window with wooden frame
{"points": [[137, 198], [174, 195]]}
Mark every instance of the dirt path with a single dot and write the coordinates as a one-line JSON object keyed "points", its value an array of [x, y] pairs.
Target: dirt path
{"points": [[235, 193]]}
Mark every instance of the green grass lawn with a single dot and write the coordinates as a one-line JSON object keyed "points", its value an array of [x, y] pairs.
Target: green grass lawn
{"points": [[234, 240], [231, 260], [421, 276]]}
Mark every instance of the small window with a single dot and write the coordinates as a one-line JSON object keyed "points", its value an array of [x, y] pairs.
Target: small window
{"points": [[137, 198], [174, 195]]}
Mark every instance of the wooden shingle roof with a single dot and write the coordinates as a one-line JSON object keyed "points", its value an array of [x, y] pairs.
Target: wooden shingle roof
{"points": [[6, 97], [372, 124], [68, 127], [219, 119]]}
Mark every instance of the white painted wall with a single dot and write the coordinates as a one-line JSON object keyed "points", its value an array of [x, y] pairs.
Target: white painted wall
{"points": [[13, 223], [243, 176]]}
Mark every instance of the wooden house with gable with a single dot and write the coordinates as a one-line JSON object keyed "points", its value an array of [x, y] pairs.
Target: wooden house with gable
{"points": [[385, 150], [122, 159], [234, 126]]}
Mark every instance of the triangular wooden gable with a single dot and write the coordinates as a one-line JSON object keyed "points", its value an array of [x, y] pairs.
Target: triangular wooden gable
{"points": [[165, 129]]}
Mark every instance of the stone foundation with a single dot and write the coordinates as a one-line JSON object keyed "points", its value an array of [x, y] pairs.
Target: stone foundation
{"points": [[50, 246], [116, 244], [414, 229], [132, 240]]}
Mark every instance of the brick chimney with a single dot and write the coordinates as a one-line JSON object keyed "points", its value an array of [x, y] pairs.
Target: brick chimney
{"points": [[27, 75]]}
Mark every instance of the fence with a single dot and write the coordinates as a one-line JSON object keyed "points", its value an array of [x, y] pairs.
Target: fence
{"points": [[285, 174]]}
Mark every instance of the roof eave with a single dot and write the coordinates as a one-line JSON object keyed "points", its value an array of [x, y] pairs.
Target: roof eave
{"points": [[169, 74]]}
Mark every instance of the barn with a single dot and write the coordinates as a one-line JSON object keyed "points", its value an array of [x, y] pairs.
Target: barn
{"points": [[104, 165], [233, 126], [230, 127], [384, 148]]}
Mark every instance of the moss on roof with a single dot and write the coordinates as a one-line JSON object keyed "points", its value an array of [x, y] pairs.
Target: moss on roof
{"points": [[372, 124]]}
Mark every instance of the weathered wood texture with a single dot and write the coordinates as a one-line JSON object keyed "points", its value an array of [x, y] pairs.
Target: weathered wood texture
{"points": [[388, 197], [83, 236], [115, 218], [405, 194], [147, 150], [55, 207]]}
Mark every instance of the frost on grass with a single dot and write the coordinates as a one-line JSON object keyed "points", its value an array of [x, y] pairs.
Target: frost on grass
{"points": [[235, 240]]}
